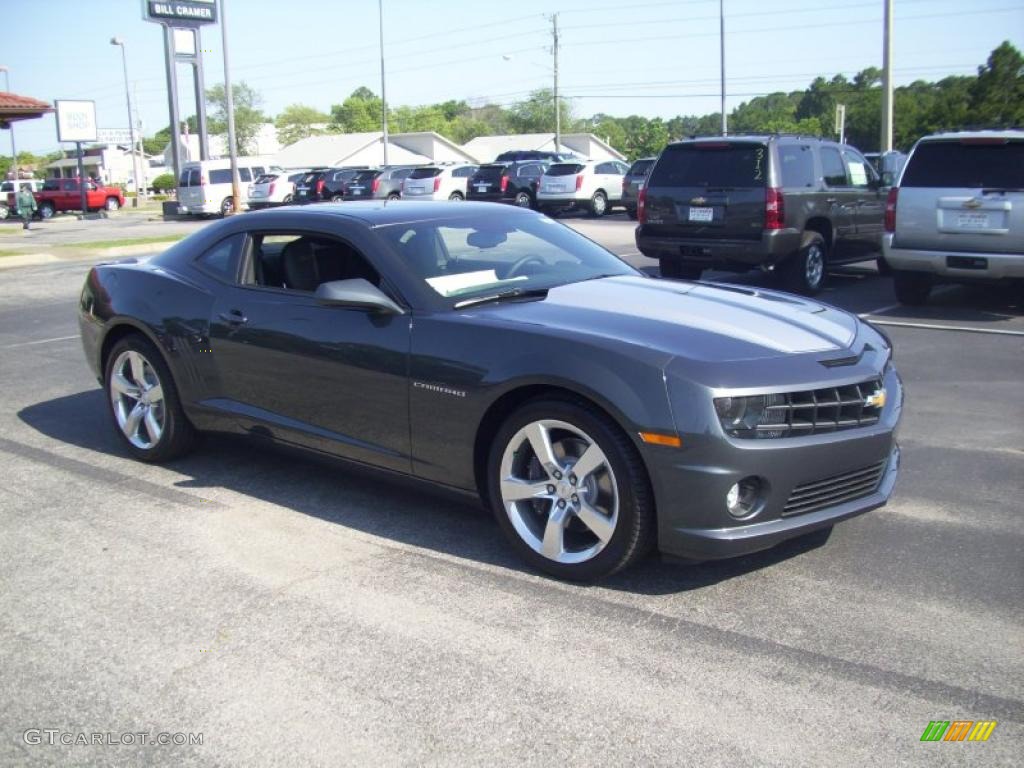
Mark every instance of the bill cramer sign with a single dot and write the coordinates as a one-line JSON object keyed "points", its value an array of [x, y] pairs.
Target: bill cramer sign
{"points": [[182, 11]]}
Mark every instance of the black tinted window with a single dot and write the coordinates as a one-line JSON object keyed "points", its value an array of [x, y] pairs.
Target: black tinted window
{"points": [[51, 185], [797, 163], [221, 259], [464, 173], [489, 172], [364, 177], [641, 168], [220, 176], [244, 174], [425, 173], [970, 165], [832, 168], [564, 169], [711, 165]]}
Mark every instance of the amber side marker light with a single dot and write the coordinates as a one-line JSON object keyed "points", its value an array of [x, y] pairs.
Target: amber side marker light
{"points": [[656, 438]]}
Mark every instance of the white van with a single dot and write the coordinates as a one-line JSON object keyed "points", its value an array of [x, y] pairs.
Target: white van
{"points": [[205, 185]]}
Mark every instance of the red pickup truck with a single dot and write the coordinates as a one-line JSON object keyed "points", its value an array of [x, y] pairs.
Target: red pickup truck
{"points": [[65, 195]]}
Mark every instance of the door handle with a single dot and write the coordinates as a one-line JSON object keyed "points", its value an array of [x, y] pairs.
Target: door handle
{"points": [[234, 317], [831, 200]]}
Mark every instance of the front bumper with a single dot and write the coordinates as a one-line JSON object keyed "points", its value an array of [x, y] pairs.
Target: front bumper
{"points": [[773, 247], [954, 265], [690, 486]]}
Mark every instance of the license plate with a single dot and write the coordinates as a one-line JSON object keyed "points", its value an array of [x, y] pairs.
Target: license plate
{"points": [[355, 191], [554, 188], [704, 215], [302, 190], [481, 187], [972, 220]]}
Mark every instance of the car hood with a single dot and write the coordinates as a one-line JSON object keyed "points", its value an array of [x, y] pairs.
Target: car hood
{"points": [[702, 321]]}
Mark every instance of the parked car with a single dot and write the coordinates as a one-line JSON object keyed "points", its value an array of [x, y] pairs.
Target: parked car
{"points": [[321, 184], [514, 182], [379, 183], [8, 189], [59, 195], [205, 189], [789, 203], [632, 181], [271, 189], [438, 182], [598, 412], [534, 154], [958, 213], [591, 185]]}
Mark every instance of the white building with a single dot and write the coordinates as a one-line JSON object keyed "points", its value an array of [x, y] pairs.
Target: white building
{"points": [[587, 145], [337, 149], [109, 164], [264, 143]]}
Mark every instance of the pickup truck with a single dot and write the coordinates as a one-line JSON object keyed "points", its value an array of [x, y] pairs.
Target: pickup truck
{"points": [[65, 195]]}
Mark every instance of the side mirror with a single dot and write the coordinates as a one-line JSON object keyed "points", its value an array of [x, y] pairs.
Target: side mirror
{"points": [[357, 294], [888, 178]]}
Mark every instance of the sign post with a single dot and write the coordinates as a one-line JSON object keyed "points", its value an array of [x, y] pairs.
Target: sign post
{"points": [[76, 122], [177, 17]]}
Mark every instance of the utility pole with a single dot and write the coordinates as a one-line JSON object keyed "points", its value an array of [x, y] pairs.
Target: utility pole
{"points": [[140, 181], [721, 40], [886, 143], [383, 92], [558, 106], [10, 127], [236, 191], [172, 102]]}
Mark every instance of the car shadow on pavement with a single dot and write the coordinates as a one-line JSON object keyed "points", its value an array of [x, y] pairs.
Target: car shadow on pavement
{"points": [[366, 500]]}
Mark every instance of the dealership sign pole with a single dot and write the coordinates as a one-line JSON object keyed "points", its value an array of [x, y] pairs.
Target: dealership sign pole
{"points": [[181, 20], [76, 122]]}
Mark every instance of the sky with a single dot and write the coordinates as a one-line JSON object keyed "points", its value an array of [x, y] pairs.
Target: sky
{"points": [[656, 58]]}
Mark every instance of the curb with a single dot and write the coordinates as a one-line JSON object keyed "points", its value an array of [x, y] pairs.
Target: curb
{"points": [[75, 256]]}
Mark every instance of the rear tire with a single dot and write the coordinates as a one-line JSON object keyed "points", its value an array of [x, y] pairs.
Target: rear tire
{"points": [[337, 198], [612, 496], [4, 212], [631, 212], [674, 270], [523, 200], [394, 196], [456, 197], [598, 204], [162, 431], [805, 271], [912, 288], [46, 210]]}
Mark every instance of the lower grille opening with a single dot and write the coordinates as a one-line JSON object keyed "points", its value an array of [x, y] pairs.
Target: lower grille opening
{"points": [[831, 491]]}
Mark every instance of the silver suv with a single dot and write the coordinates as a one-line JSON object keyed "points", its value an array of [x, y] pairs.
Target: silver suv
{"points": [[958, 212]]}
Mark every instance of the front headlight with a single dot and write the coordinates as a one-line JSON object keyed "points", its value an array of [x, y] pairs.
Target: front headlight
{"points": [[742, 416]]}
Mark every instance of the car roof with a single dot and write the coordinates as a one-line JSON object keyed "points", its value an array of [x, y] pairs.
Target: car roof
{"points": [[376, 213], [1008, 133]]}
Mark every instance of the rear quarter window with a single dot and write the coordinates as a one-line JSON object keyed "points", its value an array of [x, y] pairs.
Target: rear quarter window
{"points": [[966, 165], [220, 176], [425, 173], [564, 169], [737, 165], [797, 164]]}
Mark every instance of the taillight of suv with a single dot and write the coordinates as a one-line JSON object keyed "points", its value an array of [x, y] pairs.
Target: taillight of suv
{"points": [[437, 183], [375, 186], [641, 205], [319, 187], [579, 182], [271, 191], [504, 182], [890, 209], [774, 208]]}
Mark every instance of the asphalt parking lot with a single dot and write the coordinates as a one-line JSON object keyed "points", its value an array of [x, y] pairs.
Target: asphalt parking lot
{"points": [[296, 612]]}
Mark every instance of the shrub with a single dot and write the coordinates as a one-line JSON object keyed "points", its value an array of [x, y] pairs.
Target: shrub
{"points": [[164, 182]]}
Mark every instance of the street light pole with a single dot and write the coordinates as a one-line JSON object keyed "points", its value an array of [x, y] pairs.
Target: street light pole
{"points": [[236, 191], [886, 140], [721, 37], [558, 106], [383, 91], [140, 183], [10, 127]]}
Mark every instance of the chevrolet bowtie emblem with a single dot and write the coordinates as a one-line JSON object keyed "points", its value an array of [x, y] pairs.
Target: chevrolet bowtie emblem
{"points": [[875, 399], [972, 203], [698, 201]]}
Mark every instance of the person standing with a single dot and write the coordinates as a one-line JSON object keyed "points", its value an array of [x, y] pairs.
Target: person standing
{"points": [[26, 203]]}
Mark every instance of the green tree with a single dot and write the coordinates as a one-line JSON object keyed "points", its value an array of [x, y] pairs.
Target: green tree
{"points": [[997, 96], [298, 121], [359, 113], [248, 117], [536, 114]]}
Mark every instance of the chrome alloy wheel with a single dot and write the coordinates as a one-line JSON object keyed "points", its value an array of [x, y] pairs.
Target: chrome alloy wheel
{"points": [[138, 399], [814, 266], [559, 491]]}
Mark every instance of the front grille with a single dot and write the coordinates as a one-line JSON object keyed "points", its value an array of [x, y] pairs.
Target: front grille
{"points": [[810, 497], [814, 411]]}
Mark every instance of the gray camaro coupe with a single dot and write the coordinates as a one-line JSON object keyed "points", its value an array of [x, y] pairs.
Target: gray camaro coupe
{"points": [[598, 412]]}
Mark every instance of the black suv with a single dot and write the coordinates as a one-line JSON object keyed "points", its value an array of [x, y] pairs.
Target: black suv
{"points": [[633, 180], [378, 183], [513, 182], [792, 203], [322, 184]]}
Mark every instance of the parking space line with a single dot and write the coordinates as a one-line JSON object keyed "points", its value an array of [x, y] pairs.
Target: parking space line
{"points": [[937, 327], [878, 310], [40, 341]]}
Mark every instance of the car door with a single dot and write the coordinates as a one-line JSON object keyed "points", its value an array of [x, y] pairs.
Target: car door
{"points": [[325, 377], [528, 177], [841, 201], [869, 215]]}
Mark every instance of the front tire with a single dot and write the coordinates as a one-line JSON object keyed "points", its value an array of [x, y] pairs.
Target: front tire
{"points": [[805, 271], [46, 210], [227, 206], [912, 288], [113, 204], [570, 491], [144, 404]]}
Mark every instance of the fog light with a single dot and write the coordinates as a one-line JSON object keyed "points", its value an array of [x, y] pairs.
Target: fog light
{"points": [[742, 498]]}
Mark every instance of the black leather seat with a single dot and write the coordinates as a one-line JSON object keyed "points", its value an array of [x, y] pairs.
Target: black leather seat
{"points": [[300, 266]]}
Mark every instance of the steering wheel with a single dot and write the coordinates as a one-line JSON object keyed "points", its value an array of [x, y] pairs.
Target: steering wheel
{"points": [[529, 258]]}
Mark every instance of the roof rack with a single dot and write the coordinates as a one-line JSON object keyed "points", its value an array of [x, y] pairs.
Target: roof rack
{"points": [[770, 134]]}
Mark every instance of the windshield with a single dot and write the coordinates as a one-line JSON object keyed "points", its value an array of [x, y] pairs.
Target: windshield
{"points": [[480, 256], [725, 164]]}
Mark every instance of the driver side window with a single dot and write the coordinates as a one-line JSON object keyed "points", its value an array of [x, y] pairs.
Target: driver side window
{"points": [[301, 262]]}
